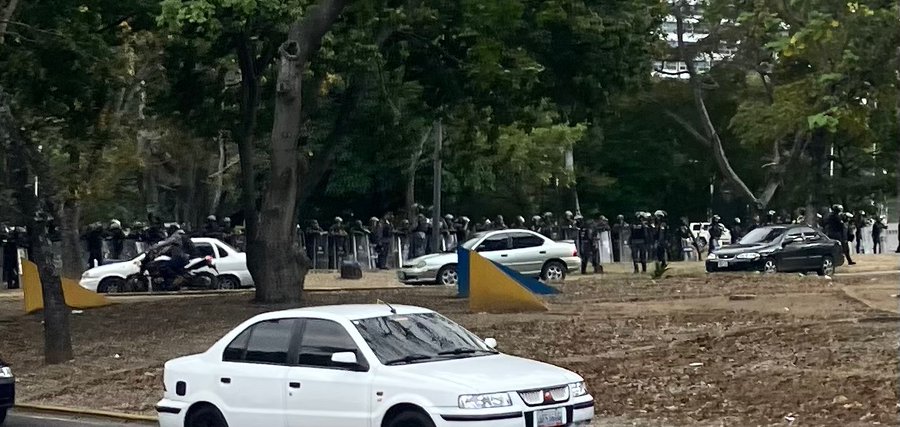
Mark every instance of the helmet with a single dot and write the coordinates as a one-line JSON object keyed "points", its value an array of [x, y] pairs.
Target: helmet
{"points": [[115, 224], [645, 215], [659, 213], [211, 218], [568, 213], [603, 218], [620, 217], [548, 213], [862, 213], [536, 218], [226, 219], [374, 219], [837, 207], [520, 218], [848, 215], [737, 220], [338, 219], [772, 212], [716, 218], [578, 217], [448, 217], [464, 218], [487, 222]]}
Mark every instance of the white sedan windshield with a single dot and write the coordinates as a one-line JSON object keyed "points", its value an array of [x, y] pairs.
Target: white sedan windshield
{"points": [[412, 338]]}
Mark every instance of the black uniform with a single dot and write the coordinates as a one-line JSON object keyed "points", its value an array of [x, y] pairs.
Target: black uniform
{"points": [[877, 228], [737, 232], [9, 241], [117, 241], [586, 246], [715, 233], [617, 229], [94, 239], [662, 242], [385, 236], [837, 230], [860, 223], [638, 240]]}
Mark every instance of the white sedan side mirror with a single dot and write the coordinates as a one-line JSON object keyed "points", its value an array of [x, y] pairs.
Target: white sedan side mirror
{"points": [[490, 342]]}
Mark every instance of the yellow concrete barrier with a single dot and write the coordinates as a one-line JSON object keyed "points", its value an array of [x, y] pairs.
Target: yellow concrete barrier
{"points": [[491, 290], [76, 296]]}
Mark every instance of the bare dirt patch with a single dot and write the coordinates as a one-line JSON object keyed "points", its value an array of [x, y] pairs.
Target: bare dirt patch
{"points": [[671, 352]]}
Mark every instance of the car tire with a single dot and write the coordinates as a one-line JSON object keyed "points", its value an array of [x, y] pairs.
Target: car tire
{"points": [[770, 266], [447, 276], [227, 281], [2, 416], [554, 271], [136, 283], [206, 281], [410, 419], [206, 416], [111, 285], [827, 267]]}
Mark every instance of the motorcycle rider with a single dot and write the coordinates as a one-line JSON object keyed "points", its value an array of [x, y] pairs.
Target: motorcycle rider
{"points": [[179, 248]]}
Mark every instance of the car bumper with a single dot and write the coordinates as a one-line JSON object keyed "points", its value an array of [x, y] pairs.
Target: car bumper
{"points": [[578, 413], [90, 284], [573, 263], [417, 275], [171, 413], [735, 264], [7, 392]]}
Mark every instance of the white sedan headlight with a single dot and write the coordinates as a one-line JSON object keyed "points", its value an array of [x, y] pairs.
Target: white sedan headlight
{"points": [[5, 372], [748, 255], [712, 257], [479, 401], [421, 264], [578, 389], [87, 275]]}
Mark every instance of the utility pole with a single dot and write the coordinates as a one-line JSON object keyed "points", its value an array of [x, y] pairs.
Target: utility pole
{"points": [[436, 195]]}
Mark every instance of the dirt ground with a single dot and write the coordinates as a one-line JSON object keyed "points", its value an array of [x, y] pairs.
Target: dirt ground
{"points": [[672, 352]]}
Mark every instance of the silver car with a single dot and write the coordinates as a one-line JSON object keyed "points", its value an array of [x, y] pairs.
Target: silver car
{"points": [[525, 251]]}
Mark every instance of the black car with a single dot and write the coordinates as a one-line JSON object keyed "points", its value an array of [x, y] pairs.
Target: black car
{"points": [[7, 390], [779, 248]]}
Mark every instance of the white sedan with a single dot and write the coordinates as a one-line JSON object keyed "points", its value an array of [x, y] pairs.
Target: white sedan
{"points": [[525, 251], [231, 266], [365, 366]]}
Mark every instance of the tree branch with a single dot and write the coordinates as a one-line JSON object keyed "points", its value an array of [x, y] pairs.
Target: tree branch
{"points": [[688, 127], [312, 28], [7, 15]]}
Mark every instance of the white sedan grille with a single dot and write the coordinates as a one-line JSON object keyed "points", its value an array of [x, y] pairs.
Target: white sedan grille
{"points": [[545, 396]]}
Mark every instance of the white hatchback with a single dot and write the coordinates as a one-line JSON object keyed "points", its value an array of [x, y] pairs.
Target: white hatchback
{"points": [[365, 366]]}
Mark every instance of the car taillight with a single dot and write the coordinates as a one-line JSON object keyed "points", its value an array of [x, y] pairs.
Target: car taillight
{"points": [[575, 252], [209, 260]]}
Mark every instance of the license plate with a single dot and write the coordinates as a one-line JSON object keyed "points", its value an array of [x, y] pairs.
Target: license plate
{"points": [[723, 264], [550, 417]]}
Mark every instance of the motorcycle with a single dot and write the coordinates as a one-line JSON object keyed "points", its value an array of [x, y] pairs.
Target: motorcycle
{"points": [[154, 276]]}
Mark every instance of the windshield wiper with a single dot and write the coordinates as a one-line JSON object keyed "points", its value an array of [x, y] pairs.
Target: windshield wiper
{"points": [[408, 359], [461, 350]]}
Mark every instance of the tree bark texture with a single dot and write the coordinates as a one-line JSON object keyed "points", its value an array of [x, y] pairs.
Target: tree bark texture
{"points": [[26, 162], [245, 140], [72, 253], [283, 265], [411, 169]]}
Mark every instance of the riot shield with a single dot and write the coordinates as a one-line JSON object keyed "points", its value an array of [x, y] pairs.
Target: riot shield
{"points": [[604, 243]]}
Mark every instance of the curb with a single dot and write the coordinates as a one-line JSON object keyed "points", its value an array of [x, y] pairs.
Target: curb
{"points": [[86, 412], [248, 291]]}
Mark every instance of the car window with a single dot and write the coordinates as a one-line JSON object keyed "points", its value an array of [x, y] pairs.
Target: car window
{"points": [[497, 242], [269, 341], [204, 250], [321, 339], [419, 338], [235, 351], [811, 236], [222, 251], [526, 240]]}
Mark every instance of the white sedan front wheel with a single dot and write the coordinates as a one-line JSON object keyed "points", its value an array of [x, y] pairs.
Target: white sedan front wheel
{"points": [[448, 276]]}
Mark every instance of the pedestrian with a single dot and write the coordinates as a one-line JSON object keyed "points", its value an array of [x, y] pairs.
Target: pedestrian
{"points": [[638, 240], [715, 233], [861, 222], [117, 239], [661, 236], [586, 240], [519, 223], [737, 232], [9, 243], [878, 228], [616, 237], [94, 239], [420, 227], [836, 229]]}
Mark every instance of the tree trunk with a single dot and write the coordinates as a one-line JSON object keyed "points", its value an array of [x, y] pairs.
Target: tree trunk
{"points": [[219, 176], [72, 254], [246, 136], [414, 160], [26, 160], [283, 264]]}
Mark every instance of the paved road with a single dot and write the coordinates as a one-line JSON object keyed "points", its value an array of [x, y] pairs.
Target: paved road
{"points": [[45, 420]]}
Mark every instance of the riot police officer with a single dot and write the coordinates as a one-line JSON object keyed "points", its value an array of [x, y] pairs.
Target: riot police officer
{"points": [[737, 232], [587, 243], [661, 234], [716, 230], [638, 240]]}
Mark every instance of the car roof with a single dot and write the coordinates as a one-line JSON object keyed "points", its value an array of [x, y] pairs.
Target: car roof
{"points": [[347, 311]]}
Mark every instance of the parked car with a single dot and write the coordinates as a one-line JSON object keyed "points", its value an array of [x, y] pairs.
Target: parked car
{"points": [[7, 390], [701, 233], [231, 266], [525, 251], [365, 365], [781, 248]]}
